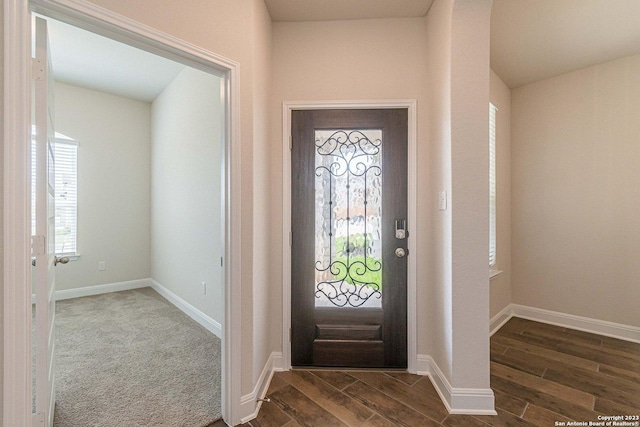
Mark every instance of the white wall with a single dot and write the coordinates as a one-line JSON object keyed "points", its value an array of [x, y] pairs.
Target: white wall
{"points": [[469, 202], [576, 192], [501, 285], [113, 185], [438, 273], [1, 203], [262, 338], [458, 48], [187, 237]]}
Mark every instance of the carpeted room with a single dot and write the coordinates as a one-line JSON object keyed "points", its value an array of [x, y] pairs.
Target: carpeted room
{"points": [[148, 237], [132, 358]]}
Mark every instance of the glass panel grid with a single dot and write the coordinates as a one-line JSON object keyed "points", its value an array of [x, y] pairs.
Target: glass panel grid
{"points": [[348, 198]]}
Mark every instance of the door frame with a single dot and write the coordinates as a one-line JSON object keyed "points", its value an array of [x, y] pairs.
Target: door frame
{"points": [[411, 106], [17, 387]]}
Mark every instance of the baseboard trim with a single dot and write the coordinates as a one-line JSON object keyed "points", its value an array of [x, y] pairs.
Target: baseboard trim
{"points": [[100, 289], [204, 320], [207, 322], [586, 324], [468, 401], [249, 404], [571, 321], [500, 319]]}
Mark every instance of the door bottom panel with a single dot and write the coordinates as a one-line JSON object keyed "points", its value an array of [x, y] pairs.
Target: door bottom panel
{"points": [[346, 353]]}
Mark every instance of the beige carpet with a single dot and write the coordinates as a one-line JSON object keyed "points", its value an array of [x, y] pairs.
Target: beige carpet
{"points": [[132, 359]]}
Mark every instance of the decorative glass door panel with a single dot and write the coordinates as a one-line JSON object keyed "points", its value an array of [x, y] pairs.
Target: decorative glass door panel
{"points": [[348, 264], [348, 196]]}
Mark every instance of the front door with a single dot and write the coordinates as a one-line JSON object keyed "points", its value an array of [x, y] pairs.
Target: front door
{"points": [[349, 238]]}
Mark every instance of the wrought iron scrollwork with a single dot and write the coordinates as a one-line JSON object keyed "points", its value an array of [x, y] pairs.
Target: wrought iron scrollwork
{"points": [[347, 280]]}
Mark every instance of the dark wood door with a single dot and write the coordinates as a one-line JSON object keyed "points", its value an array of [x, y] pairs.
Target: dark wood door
{"points": [[349, 207]]}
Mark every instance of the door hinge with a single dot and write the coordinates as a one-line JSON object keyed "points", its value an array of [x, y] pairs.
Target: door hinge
{"points": [[37, 69], [290, 238], [290, 142], [221, 262], [289, 334], [38, 245]]}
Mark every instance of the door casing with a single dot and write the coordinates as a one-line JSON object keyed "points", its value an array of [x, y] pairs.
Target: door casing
{"points": [[17, 127], [411, 106]]}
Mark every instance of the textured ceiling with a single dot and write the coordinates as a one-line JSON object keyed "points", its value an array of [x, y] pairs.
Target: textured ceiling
{"points": [[335, 10], [533, 40]]}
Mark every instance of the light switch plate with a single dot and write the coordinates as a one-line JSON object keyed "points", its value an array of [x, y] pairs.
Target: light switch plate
{"points": [[442, 201]]}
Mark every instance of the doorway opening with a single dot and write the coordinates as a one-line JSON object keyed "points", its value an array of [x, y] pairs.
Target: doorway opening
{"points": [[17, 134], [138, 205]]}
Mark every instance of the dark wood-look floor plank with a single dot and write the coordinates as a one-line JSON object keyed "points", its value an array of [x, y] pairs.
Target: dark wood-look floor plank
{"points": [[623, 354], [601, 355], [504, 419], [614, 408], [613, 371], [423, 403], [607, 342], [565, 337], [597, 384], [270, 415], [277, 382], [552, 403], [378, 421], [616, 344], [425, 387], [392, 409], [496, 348], [302, 409], [405, 377], [546, 353], [333, 400], [518, 325], [542, 417], [338, 379], [454, 420], [509, 403], [547, 343], [560, 391], [522, 361]]}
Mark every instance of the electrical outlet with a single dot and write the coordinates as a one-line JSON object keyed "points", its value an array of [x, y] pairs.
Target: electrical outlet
{"points": [[204, 288], [101, 266]]}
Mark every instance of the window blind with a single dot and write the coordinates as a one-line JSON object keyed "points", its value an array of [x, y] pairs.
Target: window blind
{"points": [[33, 185], [492, 184], [66, 199], [66, 194]]}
